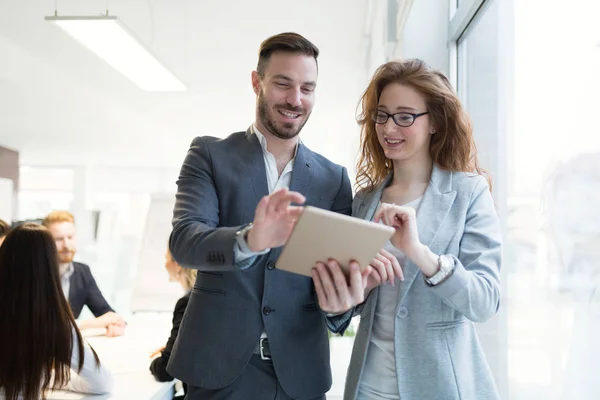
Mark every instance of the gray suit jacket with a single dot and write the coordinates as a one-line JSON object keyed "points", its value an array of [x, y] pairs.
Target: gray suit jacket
{"points": [[219, 187], [438, 355]]}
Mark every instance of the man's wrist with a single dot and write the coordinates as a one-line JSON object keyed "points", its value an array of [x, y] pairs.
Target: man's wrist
{"points": [[249, 239], [82, 325]]}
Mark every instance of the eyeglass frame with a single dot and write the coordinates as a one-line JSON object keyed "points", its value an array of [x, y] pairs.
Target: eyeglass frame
{"points": [[393, 117]]}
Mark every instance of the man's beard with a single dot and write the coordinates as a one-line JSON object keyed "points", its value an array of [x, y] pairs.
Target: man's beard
{"points": [[66, 257], [287, 131]]}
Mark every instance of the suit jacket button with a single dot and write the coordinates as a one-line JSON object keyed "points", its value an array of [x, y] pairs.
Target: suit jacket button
{"points": [[403, 312], [266, 310], [270, 265]]}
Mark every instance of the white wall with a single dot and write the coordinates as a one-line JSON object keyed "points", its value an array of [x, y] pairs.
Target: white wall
{"points": [[426, 33]]}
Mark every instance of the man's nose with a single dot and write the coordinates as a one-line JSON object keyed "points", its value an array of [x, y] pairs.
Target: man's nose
{"points": [[294, 97]]}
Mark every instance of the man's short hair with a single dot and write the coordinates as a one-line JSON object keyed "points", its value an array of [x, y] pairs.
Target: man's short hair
{"points": [[56, 217], [4, 228], [289, 42]]}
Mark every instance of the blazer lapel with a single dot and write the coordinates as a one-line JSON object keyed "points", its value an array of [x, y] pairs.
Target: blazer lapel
{"points": [[366, 210], [255, 163], [437, 202], [303, 170]]}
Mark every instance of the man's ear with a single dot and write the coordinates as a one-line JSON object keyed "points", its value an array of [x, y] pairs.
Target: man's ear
{"points": [[255, 82]]}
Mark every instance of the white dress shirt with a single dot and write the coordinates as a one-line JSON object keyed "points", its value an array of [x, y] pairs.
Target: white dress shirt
{"points": [[65, 278], [274, 181]]}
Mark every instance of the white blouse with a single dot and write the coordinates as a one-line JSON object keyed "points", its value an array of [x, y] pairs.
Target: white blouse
{"points": [[379, 380], [92, 379]]}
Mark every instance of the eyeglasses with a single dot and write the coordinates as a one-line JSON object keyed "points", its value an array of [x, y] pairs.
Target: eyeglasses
{"points": [[403, 119]]}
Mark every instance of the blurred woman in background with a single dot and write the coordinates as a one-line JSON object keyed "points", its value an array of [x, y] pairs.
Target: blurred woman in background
{"points": [[186, 278], [39, 340]]}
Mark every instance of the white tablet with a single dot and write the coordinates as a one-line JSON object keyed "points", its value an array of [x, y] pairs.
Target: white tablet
{"points": [[321, 234]]}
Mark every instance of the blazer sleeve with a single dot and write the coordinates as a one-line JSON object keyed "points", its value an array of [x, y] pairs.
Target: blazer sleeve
{"points": [[158, 367], [94, 300], [195, 241], [474, 287]]}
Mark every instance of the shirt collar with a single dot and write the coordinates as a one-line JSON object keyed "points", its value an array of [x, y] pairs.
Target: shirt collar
{"points": [[68, 270], [263, 141]]}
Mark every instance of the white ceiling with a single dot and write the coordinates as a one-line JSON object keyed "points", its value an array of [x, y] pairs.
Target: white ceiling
{"points": [[61, 105]]}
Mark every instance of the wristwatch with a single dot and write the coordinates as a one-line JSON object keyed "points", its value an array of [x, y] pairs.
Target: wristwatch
{"points": [[243, 232], [446, 266]]}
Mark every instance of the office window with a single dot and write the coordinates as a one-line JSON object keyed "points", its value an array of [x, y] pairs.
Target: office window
{"points": [[517, 83]]}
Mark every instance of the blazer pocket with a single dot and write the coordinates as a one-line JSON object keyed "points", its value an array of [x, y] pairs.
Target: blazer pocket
{"points": [[310, 307], [212, 274], [211, 292], [446, 324]]}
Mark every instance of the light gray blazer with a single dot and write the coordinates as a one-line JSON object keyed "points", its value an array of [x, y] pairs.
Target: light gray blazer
{"points": [[438, 355]]}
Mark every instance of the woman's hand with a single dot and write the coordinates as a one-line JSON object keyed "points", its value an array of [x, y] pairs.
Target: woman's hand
{"points": [[404, 220], [406, 237], [385, 269], [157, 351]]}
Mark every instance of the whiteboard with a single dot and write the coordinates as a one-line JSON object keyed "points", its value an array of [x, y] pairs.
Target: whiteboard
{"points": [[6, 199], [152, 290]]}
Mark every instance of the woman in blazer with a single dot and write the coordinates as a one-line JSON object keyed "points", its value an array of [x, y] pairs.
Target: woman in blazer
{"points": [[418, 172], [186, 278]]}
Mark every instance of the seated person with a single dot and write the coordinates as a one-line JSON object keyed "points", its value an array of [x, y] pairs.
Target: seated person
{"points": [[78, 284], [186, 278], [41, 348], [4, 228]]}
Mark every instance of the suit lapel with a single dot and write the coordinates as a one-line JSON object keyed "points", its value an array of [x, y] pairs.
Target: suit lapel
{"points": [[303, 170], [255, 162]]}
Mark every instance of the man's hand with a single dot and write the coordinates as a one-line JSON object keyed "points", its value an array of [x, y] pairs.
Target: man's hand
{"points": [[110, 318], [274, 220], [104, 321], [337, 295], [115, 330]]}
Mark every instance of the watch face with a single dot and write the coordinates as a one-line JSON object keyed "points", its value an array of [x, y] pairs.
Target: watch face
{"points": [[446, 263]]}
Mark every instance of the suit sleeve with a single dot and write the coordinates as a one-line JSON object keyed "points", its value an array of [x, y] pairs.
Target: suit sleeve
{"points": [[343, 201], [196, 240], [474, 287], [95, 300], [343, 205], [158, 367]]}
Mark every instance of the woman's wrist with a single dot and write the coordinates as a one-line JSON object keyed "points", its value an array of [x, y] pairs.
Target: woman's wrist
{"points": [[425, 259]]}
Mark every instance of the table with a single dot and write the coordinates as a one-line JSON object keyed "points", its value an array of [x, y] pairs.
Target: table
{"points": [[127, 357]]}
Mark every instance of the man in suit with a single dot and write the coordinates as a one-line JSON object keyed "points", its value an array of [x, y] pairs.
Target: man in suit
{"points": [[252, 331], [78, 283]]}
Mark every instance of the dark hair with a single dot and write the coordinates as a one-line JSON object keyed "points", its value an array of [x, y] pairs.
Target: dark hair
{"points": [[36, 322], [452, 147], [289, 42], [4, 228]]}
